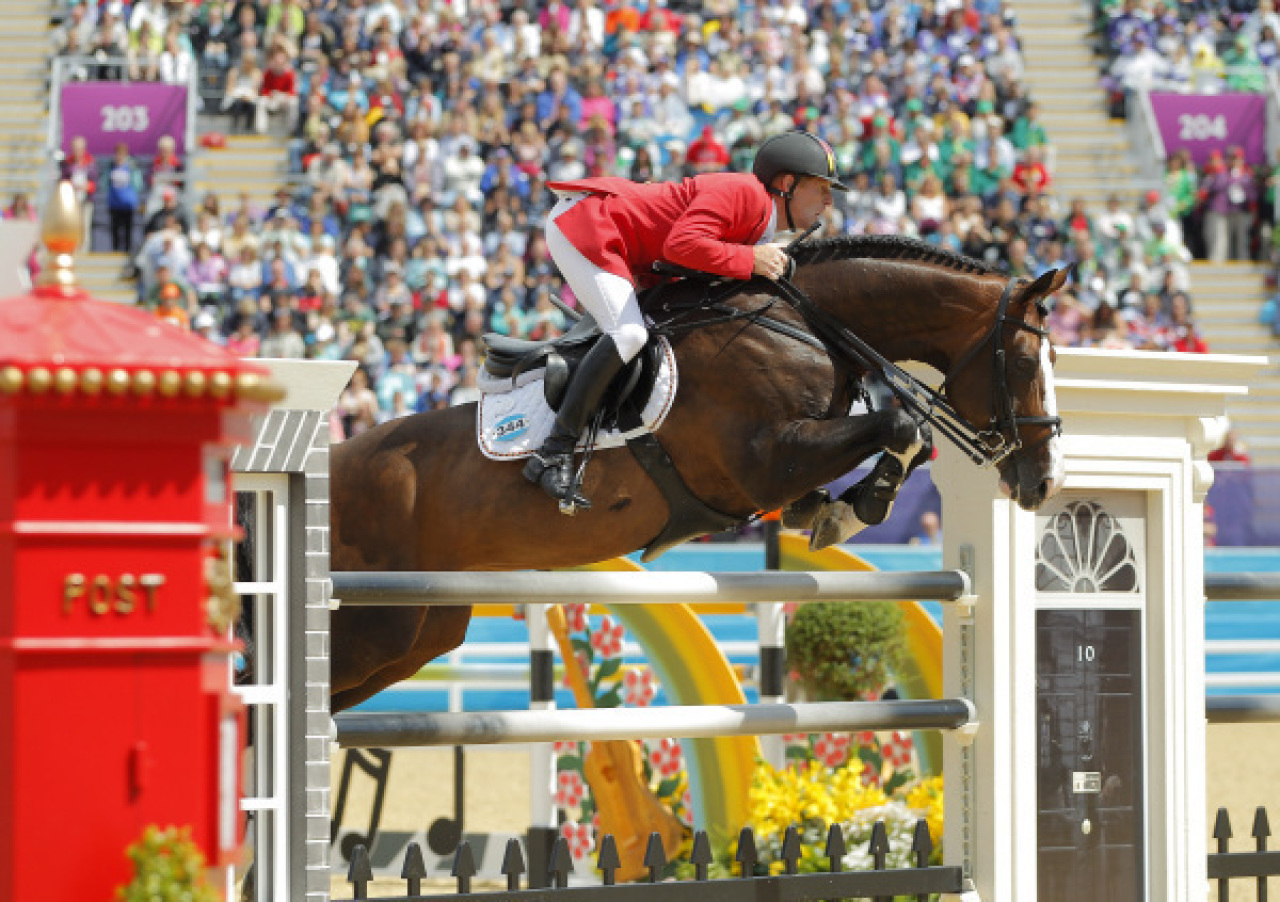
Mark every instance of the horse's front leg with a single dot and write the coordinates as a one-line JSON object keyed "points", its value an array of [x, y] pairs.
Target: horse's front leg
{"points": [[869, 501], [905, 447]]}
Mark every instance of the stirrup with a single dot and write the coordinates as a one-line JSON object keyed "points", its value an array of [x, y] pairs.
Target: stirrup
{"points": [[555, 473]]}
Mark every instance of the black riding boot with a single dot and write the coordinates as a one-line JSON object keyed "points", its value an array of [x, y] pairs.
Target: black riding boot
{"points": [[552, 465]]}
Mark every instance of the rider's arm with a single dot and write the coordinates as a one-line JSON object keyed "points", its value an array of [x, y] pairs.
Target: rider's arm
{"points": [[713, 234]]}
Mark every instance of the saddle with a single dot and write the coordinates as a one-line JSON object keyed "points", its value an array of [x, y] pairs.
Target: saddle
{"points": [[509, 358]]}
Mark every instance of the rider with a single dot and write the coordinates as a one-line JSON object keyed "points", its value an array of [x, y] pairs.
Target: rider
{"points": [[606, 233]]}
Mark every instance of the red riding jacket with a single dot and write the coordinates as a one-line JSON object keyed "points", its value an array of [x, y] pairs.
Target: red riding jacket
{"points": [[708, 222]]}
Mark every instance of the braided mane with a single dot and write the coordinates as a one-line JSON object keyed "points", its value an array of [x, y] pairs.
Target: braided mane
{"points": [[886, 247]]}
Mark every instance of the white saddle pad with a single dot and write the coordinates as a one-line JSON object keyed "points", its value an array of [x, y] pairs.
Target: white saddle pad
{"points": [[514, 421]]}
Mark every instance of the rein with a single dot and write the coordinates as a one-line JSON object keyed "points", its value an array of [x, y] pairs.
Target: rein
{"points": [[985, 447]]}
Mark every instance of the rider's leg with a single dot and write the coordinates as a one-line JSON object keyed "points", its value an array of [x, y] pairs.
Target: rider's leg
{"points": [[611, 300]]}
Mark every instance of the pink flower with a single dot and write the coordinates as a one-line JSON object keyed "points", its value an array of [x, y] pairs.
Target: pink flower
{"points": [[865, 738], [795, 738], [870, 776], [871, 695], [832, 749], [581, 838], [896, 749], [575, 616], [666, 757], [565, 747], [607, 640], [639, 687], [570, 790]]}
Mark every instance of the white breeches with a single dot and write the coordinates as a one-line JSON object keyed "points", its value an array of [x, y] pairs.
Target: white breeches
{"points": [[609, 298]]}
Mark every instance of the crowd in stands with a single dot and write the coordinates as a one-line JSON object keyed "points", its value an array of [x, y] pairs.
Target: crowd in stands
{"points": [[423, 134], [1227, 206], [1193, 46]]}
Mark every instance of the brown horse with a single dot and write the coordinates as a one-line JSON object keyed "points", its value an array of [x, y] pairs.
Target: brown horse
{"points": [[761, 421]]}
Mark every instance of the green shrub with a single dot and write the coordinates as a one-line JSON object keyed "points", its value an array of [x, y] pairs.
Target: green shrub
{"points": [[842, 652], [168, 867]]}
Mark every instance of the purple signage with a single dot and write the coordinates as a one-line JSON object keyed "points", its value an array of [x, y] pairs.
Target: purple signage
{"points": [[1202, 123], [105, 113]]}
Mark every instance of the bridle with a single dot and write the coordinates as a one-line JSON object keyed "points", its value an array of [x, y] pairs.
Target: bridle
{"points": [[986, 447]]}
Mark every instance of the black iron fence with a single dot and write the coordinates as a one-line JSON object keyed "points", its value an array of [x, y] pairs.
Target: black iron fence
{"points": [[754, 883], [1259, 864]]}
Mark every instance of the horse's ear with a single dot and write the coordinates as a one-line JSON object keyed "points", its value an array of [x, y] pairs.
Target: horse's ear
{"points": [[1047, 284]]}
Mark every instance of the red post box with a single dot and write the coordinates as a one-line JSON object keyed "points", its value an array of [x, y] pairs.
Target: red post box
{"points": [[115, 594]]}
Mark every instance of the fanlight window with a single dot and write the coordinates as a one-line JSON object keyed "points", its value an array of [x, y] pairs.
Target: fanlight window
{"points": [[1084, 550]]}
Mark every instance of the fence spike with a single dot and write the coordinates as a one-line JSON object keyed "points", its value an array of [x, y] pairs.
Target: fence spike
{"points": [[700, 856], [836, 849], [879, 847], [922, 843], [561, 865], [1261, 830], [655, 857], [1261, 827], [791, 850], [513, 864], [1222, 829], [360, 872], [464, 867], [608, 861], [414, 869], [747, 855]]}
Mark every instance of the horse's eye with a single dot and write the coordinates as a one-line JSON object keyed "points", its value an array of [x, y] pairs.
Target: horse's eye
{"points": [[1026, 367]]}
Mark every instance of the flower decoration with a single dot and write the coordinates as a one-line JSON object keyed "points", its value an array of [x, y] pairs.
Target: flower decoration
{"points": [[832, 749], [570, 789], [607, 640], [575, 616], [581, 837], [666, 758], [639, 686]]}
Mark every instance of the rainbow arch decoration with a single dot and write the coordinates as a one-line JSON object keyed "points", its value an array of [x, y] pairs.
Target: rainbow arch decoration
{"points": [[694, 671]]}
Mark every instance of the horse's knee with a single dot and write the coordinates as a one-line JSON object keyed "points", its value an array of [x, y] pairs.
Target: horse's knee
{"points": [[901, 430]]}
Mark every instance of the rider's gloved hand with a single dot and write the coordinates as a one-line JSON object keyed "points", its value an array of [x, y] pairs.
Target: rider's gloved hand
{"points": [[771, 261]]}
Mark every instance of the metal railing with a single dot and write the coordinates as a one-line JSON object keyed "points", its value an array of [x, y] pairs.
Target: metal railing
{"points": [[1145, 141]]}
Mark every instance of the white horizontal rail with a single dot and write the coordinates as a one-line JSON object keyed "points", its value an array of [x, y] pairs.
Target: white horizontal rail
{"points": [[385, 730], [460, 588]]}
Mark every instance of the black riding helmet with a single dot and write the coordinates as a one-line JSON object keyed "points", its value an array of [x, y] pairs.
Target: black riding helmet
{"points": [[799, 153]]}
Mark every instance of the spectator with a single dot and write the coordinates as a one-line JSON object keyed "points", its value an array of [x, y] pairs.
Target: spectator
{"points": [[283, 340], [1232, 450], [211, 37], [124, 183], [358, 405], [81, 169], [706, 153], [1230, 197], [242, 92], [278, 93], [176, 65], [208, 275], [146, 43], [169, 307]]}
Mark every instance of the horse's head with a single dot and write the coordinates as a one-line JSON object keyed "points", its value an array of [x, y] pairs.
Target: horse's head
{"points": [[1004, 388]]}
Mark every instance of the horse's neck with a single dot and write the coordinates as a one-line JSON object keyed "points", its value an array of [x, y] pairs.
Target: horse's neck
{"points": [[921, 312]]}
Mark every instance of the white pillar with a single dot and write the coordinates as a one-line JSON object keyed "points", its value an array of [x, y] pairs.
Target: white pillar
{"points": [[1137, 427]]}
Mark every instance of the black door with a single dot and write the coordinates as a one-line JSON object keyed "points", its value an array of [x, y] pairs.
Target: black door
{"points": [[1089, 743]]}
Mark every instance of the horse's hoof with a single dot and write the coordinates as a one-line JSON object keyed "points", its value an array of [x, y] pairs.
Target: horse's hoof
{"points": [[837, 522], [800, 513]]}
